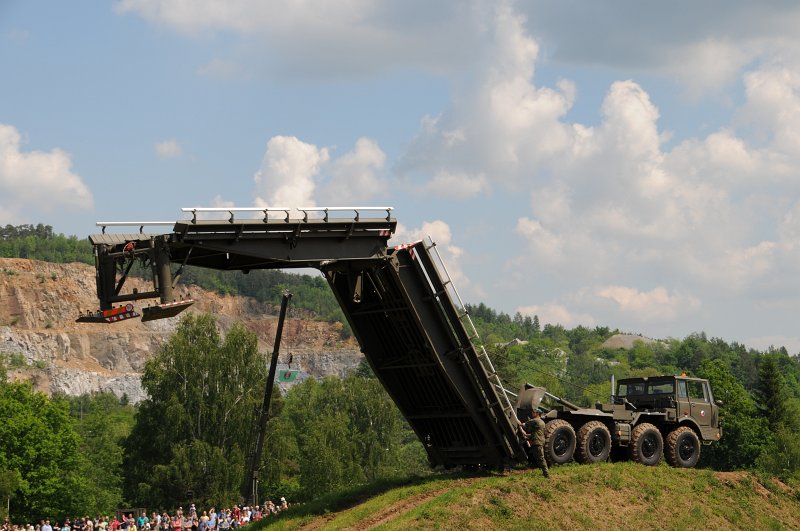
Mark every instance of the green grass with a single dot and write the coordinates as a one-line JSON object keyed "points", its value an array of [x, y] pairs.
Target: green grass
{"points": [[602, 496]]}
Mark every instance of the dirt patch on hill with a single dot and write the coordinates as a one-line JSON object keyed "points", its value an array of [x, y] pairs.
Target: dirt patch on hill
{"points": [[405, 505], [626, 341], [391, 511]]}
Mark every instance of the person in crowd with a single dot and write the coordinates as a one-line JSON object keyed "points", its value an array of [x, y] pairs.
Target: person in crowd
{"points": [[224, 519]]}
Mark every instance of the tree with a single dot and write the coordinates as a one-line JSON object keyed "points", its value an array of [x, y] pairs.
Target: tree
{"points": [[745, 431], [9, 482], [203, 395], [345, 432], [40, 455], [782, 457], [641, 355], [772, 392], [691, 352], [280, 469], [103, 422]]}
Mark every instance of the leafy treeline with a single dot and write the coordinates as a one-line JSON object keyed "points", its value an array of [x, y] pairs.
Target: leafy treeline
{"points": [[338, 433], [39, 242], [760, 391], [190, 440], [60, 456]]}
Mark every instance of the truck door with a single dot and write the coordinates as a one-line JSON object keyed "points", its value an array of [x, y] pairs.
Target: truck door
{"points": [[684, 407], [699, 402]]}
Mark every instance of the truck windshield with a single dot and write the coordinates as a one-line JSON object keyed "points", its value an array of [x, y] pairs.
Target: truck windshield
{"points": [[661, 388], [628, 389], [643, 388]]}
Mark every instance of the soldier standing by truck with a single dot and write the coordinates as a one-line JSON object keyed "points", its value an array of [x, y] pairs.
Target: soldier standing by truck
{"points": [[534, 433]]}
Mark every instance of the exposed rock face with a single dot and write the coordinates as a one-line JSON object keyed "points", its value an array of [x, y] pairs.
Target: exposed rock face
{"points": [[40, 301]]}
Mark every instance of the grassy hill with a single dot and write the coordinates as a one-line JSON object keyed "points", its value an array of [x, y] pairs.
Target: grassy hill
{"points": [[602, 496]]}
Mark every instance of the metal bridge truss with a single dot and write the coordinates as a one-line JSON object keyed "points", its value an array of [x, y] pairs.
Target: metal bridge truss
{"points": [[400, 302]]}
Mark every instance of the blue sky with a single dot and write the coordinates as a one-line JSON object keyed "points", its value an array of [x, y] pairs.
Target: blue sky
{"points": [[633, 166]]}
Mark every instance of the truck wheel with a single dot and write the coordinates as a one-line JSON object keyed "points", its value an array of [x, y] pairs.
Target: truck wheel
{"points": [[559, 442], [683, 448], [594, 442], [647, 444]]}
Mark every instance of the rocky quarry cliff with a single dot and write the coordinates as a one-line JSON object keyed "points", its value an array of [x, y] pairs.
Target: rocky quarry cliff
{"points": [[39, 302]]}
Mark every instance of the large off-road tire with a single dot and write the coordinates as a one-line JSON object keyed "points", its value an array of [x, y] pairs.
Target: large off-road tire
{"points": [[559, 442], [594, 442], [683, 448], [647, 444]]}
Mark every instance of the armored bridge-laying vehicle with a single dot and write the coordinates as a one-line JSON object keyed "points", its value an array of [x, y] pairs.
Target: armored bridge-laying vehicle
{"points": [[413, 329]]}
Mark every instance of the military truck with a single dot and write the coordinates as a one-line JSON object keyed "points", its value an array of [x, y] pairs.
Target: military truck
{"points": [[647, 417]]}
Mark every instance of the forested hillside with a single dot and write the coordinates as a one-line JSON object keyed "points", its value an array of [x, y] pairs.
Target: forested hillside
{"points": [[335, 433]]}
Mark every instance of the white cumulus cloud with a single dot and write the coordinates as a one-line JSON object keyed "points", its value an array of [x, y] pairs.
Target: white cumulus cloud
{"points": [[656, 304], [555, 313], [36, 181], [504, 127], [296, 174], [456, 185], [356, 176], [319, 38], [289, 172], [218, 201], [168, 149]]}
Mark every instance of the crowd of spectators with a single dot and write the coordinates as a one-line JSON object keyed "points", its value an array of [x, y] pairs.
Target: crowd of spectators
{"points": [[180, 520]]}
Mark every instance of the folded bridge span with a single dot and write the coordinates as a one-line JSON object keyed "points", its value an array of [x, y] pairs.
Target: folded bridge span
{"points": [[401, 305]]}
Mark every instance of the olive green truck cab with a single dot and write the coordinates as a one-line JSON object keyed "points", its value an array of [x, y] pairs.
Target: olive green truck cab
{"points": [[647, 418]]}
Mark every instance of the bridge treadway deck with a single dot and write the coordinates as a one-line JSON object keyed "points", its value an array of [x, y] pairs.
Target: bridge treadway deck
{"points": [[409, 331]]}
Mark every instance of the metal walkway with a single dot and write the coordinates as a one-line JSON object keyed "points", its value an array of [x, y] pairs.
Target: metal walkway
{"points": [[400, 302]]}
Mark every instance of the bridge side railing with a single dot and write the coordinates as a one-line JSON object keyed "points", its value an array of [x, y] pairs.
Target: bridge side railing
{"points": [[492, 391]]}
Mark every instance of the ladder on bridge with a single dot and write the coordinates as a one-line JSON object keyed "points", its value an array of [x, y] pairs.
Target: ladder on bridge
{"points": [[509, 410], [495, 397]]}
